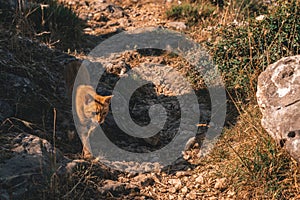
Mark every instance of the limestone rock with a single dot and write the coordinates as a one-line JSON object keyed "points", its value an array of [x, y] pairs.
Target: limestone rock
{"points": [[26, 165], [278, 96]]}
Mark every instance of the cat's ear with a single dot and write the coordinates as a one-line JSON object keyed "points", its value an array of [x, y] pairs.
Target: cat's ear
{"points": [[88, 98], [107, 98]]}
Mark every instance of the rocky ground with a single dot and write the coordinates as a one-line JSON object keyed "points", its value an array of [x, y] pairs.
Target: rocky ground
{"points": [[40, 150]]}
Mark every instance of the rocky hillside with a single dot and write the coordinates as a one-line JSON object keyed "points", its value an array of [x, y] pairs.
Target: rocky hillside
{"points": [[40, 149]]}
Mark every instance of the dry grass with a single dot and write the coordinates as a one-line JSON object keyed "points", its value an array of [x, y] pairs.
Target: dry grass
{"points": [[49, 22], [255, 167]]}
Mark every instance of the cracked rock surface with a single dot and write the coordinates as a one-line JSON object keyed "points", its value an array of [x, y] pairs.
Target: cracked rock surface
{"points": [[278, 96]]}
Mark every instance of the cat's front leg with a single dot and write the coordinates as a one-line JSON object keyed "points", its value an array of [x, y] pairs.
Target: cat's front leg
{"points": [[86, 150]]}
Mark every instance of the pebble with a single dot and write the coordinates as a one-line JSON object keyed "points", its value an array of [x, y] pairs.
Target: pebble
{"points": [[200, 179], [220, 183], [191, 195], [88, 29], [176, 183], [230, 194], [184, 190]]}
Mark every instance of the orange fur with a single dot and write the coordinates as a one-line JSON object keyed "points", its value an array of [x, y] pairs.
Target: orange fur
{"points": [[91, 110]]}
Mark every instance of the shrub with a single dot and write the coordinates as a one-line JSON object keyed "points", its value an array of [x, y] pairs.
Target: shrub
{"points": [[243, 51], [250, 8]]}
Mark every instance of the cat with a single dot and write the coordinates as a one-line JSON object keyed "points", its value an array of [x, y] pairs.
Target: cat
{"points": [[91, 108]]}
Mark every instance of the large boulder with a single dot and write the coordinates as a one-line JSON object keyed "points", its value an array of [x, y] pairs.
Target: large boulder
{"points": [[27, 164], [278, 96]]}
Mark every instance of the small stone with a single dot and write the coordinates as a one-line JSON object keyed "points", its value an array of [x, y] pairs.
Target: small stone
{"points": [[220, 183], [191, 195], [162, 190], [230, 194], [100, 17], [176, 183], [180, 197], [186, 179], [88, 29], [83, 16], [184, 190], [124, 22], [172, 190], [260, 17], [200, 179]]}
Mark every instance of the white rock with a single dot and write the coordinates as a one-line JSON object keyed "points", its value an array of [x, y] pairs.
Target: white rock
{"points": [[278, 96], [220, 183]]}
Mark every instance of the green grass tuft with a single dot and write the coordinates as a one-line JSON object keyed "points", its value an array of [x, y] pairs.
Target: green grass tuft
{"points": [[243, 51]]}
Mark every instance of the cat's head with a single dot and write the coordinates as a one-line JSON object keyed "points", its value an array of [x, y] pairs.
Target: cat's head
{"points": [[96, 107]]}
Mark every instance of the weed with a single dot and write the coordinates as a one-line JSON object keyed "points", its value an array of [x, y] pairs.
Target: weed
{"points": [[50, 22], [243, 51], [249, 8], [257, 166], [192, 13]]}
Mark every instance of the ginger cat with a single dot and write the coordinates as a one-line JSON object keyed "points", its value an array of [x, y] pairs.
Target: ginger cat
{"points": [[91, 108]]}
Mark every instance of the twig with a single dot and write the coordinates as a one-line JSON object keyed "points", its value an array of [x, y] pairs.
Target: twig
{"points": [[54, 135], [75, 186], [42, 33], [26, 123]]}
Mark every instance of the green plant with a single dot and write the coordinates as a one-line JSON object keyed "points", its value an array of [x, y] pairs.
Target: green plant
{"points": [[250, 8], [192, 13], [244, 51]]}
